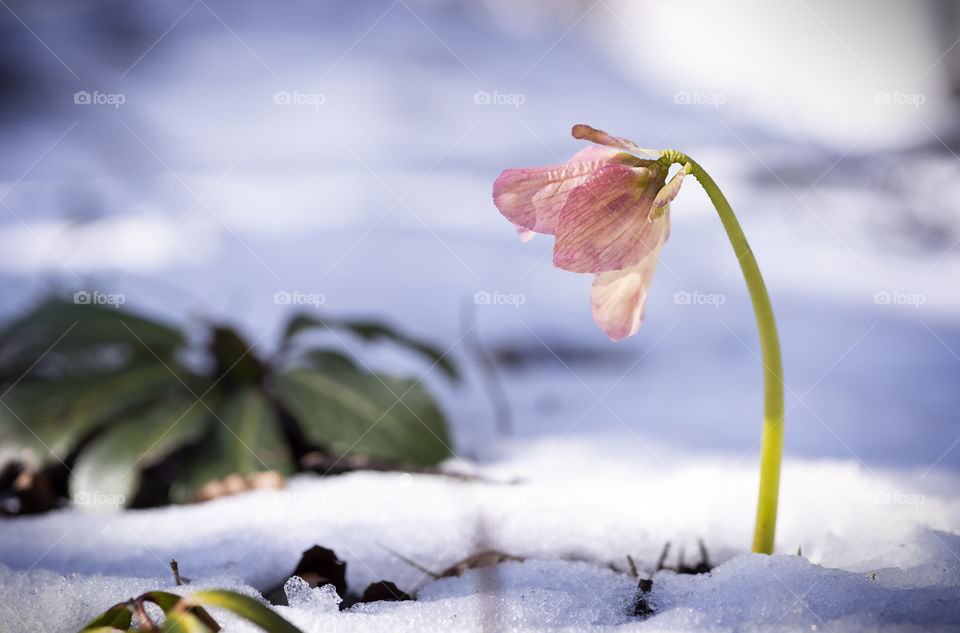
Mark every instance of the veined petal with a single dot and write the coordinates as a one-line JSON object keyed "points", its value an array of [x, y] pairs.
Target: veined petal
{"points": [[618, 298], [532, 197], [605, 223], [670, 190]]}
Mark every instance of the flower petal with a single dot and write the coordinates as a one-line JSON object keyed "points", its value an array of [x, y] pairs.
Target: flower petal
{"points": [[618, 298], [525, 234], [600, 137], [670, 190], [532, 197], [606, 224]]}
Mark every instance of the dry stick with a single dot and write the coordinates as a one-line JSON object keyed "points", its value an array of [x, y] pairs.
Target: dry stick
{"points": [[176, 573]]}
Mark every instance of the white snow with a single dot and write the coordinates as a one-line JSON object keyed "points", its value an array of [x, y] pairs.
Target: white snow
{"points": [[878, 547]]}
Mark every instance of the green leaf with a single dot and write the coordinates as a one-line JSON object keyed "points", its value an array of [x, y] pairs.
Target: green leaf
{"points": [[245, 607], [368, 414], [116, 617], [327, 360], [53, 414], [163, 599], [184, 622], [235, 362], [111, 464], [245, 439], [57, 327], [374, 331]]}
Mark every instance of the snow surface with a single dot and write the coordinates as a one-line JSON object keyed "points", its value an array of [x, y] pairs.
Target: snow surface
{"points": [[878, 548]]}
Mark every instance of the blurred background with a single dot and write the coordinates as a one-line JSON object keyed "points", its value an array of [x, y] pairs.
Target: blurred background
{"points": [[224, 161]]}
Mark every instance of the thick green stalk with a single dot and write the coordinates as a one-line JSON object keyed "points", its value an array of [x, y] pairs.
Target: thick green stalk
{"points": [[772, 442]]}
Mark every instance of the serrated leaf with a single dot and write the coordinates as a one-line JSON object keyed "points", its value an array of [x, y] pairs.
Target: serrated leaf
{"points": [[374, 331], [245, 439], [246, 607], [368, 414], [112, 463], [114, 618]]}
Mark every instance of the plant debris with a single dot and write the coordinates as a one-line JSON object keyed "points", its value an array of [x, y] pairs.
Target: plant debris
{"points": [[703, 567], [320, 566], [175, 568], [384, 591], [641, 606], [485, 558], [236, 483]]}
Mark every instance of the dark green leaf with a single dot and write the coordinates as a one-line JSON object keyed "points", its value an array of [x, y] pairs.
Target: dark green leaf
{"points": [[53, 414], [368, 414], [111, 464], [57, 327], [327, 360], [374, 331], [235, 364], [245, 439], [246, 607]]}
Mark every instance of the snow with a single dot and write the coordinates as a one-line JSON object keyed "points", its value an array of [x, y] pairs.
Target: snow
{"points": [[878, 551], [201, 197], [322, 600]]}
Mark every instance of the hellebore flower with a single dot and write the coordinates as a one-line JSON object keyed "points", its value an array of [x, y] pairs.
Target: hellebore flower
{"points": [[608, 209]]}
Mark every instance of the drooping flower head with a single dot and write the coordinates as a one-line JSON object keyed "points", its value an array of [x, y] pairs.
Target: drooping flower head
{"points": [[608, 209]]}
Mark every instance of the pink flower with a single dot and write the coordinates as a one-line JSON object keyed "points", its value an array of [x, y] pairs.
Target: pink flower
{"points": [[609, 212]]}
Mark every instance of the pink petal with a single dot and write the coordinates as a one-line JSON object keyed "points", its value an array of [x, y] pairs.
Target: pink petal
{"points": [[670, 191], [600, 137], [532, 197], [618, 298], [606, 224], [525, 235]]}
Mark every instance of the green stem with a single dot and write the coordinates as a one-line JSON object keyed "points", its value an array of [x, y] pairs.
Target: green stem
{"points": [[772, 443]]}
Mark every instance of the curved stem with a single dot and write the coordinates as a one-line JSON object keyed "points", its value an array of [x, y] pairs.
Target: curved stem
{"points": [[772, 443]]}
